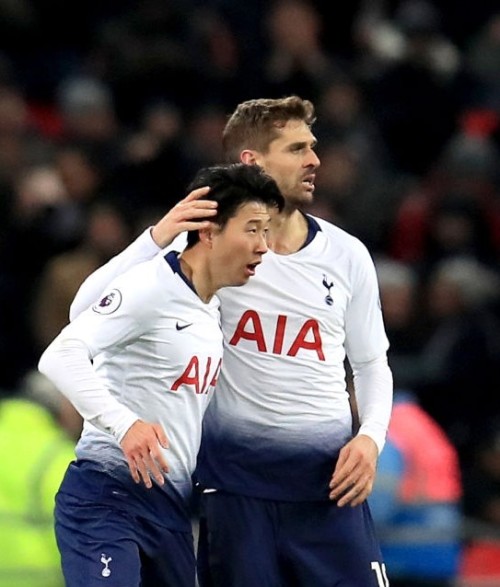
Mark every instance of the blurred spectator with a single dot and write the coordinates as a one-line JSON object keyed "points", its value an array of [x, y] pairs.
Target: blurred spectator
{"points": [[201, 143], [400, 287], [106, 234], [296, 61], [343, 116], [376, 40], [161, 124], [81, 171], [145, 53], [87, 110], [462, 184], [482, 478], [158, 160], [89, 120], [82, 174], [458, 228], [482, 56], [225, 78], [21, 143], [88, 178], [481, 559], [460, 358], [25, 246], [384, 32], [354, 190], [414, 97], [416, 500], [17, 23], [38, 430]]}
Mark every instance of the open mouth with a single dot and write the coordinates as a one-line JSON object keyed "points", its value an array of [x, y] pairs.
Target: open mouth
{"points": [[308, 182], [251, 267]]}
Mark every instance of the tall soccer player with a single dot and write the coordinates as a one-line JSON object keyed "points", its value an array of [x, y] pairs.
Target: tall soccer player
{"points": [[140, 365], [285, 477]]}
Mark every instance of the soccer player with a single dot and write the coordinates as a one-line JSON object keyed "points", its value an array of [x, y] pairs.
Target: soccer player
{"points": [[140, 366], [285, 476]]}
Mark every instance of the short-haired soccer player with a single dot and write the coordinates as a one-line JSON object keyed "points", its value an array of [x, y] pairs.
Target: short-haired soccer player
{"points": [[140, 366]]}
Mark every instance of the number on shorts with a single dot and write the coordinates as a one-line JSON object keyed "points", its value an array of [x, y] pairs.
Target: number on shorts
{"points": [[381, 573]]}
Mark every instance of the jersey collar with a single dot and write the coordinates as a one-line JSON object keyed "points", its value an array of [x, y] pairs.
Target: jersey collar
{"points": [[172, 258]]}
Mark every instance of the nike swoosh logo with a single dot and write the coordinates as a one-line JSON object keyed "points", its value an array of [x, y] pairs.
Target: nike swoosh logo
{"points": [[182, 326]]}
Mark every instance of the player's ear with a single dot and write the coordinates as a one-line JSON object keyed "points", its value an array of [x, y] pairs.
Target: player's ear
{"points": [[248, 157], [206, 235]]}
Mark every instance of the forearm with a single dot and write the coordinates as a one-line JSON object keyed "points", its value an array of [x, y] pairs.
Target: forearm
{"points": [[373, 387], [67, 363]]}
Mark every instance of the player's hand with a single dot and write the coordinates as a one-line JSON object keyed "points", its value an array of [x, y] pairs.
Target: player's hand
{"points": [[354, 474], [142, 448], [191, 213]]}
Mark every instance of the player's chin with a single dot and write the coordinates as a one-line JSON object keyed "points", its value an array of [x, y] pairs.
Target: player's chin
{"points": [[247, 273], [304, 198], [308, 196]]}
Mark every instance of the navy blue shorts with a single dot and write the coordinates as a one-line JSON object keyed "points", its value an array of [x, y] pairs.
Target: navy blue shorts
{"points": [[104, 539], [248, 542]]}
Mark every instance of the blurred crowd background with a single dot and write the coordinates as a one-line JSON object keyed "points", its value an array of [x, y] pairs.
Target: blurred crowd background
{"points": [[108, 108]]}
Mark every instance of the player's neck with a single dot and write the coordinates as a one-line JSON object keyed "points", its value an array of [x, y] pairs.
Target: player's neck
{"points": [[195, 270], [287, 232]]}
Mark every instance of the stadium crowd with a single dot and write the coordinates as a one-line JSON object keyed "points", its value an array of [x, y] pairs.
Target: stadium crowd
{"points": [[108, 109]]}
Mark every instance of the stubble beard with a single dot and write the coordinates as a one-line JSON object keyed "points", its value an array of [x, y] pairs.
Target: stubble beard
{"points": [[298, 197]]}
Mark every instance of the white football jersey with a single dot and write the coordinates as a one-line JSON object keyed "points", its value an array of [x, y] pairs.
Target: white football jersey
{"points": [[156, 350], [281, 410]]}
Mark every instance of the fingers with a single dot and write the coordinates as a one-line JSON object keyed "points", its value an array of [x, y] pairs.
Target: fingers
{"points": [[191, 213], [193, 209], [196, 217], [146, 465], [153, 465], [142, 448], [343, 486], [354, 474], [196, 194], [161, 436], [352, 494]]}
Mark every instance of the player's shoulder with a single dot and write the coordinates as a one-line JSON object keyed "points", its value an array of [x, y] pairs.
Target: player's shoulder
{"points": [[145, 274], [144, 282], [340, 237]]}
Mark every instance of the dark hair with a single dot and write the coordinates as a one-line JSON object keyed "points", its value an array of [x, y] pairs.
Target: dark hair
{"points": [[256, 123], [232, 186]]}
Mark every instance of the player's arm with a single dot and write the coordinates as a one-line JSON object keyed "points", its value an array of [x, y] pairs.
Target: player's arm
{"points": [[188, 214], [354, 473], [67, 362], [366, 347]]}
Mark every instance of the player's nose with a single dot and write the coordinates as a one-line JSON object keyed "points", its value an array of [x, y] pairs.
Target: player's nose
{"points": [[312, 159], [262, 246]]}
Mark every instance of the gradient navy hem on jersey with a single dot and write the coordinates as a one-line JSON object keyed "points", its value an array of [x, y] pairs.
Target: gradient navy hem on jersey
{"points": [[253, 460], [256, 542]]}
